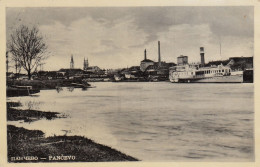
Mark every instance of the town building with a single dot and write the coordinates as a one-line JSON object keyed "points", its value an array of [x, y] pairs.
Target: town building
{"points": [[71, 73], [93, 69]]}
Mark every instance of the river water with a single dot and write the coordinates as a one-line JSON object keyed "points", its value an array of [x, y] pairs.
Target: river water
{"points": [[157, 121]]}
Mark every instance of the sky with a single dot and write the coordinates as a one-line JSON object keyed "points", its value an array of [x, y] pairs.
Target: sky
{"points": [[115, 37]]}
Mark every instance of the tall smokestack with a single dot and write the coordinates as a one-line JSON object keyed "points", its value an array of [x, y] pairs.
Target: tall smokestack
{"points": [[159, 54], [145, 54], [202, 56]]}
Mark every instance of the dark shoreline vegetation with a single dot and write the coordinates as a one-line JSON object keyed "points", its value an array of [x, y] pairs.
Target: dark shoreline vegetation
{"points": [[32, 145], [28, 115]]}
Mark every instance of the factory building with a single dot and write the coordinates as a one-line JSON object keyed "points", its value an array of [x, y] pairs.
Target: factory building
{"points": [[145, 63]]}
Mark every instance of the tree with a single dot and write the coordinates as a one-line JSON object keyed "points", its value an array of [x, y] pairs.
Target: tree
{"points": [[28, 48]]}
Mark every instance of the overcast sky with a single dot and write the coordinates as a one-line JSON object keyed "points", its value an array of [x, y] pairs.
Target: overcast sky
{"points": [[116, 37]]}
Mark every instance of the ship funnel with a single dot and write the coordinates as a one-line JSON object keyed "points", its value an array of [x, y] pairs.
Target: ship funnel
{"points": [[202, 56]]}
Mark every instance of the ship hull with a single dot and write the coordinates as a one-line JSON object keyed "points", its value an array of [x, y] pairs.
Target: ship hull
{"points": [[216, 79]]}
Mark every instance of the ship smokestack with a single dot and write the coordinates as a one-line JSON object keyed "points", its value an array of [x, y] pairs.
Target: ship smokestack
{"points": [[145, 54], [202, 56], [159, 54]]}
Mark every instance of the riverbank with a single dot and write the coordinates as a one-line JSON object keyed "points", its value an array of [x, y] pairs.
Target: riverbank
{"points": [[32, 145]]}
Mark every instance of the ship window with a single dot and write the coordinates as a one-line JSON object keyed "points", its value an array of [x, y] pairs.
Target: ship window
{"points": [[222, 70]]}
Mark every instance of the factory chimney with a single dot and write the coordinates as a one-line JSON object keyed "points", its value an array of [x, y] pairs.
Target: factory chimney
{"points": [[202, 56], [159, 54], [145, 54]]}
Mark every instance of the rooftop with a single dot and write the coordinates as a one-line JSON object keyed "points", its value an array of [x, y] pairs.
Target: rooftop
{"points": [[147, 60]]}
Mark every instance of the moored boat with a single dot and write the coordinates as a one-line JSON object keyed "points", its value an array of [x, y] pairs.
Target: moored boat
{"points": [[195, 74], [200, 73]]}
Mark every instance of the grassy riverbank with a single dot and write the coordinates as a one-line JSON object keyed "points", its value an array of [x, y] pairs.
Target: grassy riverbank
{"points": [[32, 145], [26, 143]]}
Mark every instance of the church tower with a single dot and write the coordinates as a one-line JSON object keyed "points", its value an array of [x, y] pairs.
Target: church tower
{"points": [[85, 64], [71, 62]]}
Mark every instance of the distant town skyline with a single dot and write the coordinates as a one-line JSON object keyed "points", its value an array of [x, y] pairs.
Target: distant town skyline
{"points": [[116, 37]]}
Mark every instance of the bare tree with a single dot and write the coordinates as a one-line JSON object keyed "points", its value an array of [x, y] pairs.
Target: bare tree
{"points": [[28, 48]]}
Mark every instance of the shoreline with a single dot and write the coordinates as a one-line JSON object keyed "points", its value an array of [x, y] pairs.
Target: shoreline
{"points": [[32, 146]]}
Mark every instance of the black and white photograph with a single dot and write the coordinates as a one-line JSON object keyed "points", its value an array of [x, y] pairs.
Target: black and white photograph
{"points": [[130, 83]]}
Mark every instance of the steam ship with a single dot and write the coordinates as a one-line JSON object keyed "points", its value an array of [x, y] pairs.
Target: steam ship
{"points": [[190, 73]]}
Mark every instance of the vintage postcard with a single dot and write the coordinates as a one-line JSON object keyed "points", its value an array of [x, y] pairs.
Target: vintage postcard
{"points": [[138, 84]]}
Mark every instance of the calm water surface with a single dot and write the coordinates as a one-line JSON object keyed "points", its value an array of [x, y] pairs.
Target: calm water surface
{"points": [[155, 121]]}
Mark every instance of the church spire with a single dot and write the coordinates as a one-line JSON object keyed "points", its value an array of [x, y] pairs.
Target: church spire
{"points": [[71, 62], [85, 64]]}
